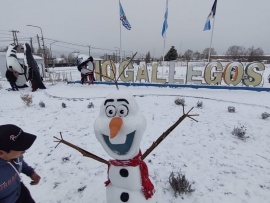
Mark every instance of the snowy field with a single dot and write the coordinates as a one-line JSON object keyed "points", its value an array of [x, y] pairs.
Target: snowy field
{"points": [[220, 166]]}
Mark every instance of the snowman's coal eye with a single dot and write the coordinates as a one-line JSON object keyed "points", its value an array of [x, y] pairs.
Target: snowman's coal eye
{"points": [[110, 111], [122, 111]]}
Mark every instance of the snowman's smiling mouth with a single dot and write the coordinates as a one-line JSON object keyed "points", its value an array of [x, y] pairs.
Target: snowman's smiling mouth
{"points": [[120, 149]]}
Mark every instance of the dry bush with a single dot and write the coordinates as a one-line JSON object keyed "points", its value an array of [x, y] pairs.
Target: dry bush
{"points": [[64, 105], [231, 109], [41, 104], [90, 105], [240, 132], [265, 115], [179, 101], [179, 183], [199, 104], [27, 99]]}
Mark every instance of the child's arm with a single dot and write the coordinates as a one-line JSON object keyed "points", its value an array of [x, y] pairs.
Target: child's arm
{"points": [[29, 171]]}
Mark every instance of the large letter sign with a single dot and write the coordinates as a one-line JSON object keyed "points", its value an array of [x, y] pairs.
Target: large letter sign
{"points": [[109, 74], [233, 73], [212, 77], [253, 78], [155, 79], [192, 72], [142, 74], [128, 75]]}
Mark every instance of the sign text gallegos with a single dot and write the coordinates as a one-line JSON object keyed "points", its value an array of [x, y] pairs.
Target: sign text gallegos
{"points": [[213, 73]]}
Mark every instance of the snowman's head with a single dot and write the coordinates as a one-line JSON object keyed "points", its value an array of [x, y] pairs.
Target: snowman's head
{"points": [[120, 126]]}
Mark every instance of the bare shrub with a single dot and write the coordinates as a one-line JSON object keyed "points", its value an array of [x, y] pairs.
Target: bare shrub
{"points": [[90, 105], [180, 101], [64, 105], [27, 99], [240, 132], [231, 109], [265, 115], [41, 104], [199, 104], [179, 183], [81, 188], [65, 159]]}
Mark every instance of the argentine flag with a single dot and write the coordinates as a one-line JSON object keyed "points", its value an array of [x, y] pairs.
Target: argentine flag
{"points": [[124, 19], [212, 14], [165, 24]]}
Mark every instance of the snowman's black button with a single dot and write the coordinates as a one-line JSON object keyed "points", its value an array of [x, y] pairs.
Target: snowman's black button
{"points": [[124, 197], [124, 172]]}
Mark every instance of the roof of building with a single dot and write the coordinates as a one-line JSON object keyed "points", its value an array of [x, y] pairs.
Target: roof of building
{"points": [[21, 55]]}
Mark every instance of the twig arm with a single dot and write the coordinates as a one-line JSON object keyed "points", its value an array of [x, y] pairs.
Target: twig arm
{"points": [[126, 66], [82, 151], [167, 132]]}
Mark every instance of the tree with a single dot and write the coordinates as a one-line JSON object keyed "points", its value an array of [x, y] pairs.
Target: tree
{"points": [[188, 55], [171, 55], [236, 52], [255, 54], [197, 55], [147, 57], [206, 52], [63, 58], [4, 49]]}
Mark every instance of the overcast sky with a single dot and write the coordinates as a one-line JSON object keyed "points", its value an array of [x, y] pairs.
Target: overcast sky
{"points": [[96, 23]]}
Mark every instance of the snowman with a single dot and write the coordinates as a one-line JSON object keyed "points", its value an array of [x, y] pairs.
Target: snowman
{"points": [[119, 128]]}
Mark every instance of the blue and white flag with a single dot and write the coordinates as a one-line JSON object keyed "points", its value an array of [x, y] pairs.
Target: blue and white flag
{"points": [[165, 24], [212, 14], [123, 18]]}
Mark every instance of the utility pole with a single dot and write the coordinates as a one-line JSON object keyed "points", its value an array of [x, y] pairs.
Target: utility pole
{"points": [[31, 44], [15, 39], [42, 38], [89, 47], [38, 42]]}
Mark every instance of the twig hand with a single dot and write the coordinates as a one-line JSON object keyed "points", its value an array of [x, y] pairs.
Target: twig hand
{"points": [[82, 151]]}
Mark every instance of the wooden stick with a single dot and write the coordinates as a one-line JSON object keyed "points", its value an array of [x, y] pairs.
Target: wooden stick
{"points": [[126, 66], [114, 73], [82, 151], [167, 132]]}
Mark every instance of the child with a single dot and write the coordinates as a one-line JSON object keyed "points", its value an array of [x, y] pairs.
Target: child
{"points": [[11, 76], [13, 143]]}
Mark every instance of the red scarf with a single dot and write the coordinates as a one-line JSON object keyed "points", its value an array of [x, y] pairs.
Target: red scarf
{"points": [[147, 186]]}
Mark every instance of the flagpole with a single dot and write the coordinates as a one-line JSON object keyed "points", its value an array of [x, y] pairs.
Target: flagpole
{"points": [[213, 11], [163, 51], [164, 44], [164, 29], [209, 53], [120, 37]]}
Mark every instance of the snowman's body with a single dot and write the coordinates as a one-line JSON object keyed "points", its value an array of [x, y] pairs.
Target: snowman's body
{"points": [[119, 129], [125, 185]]}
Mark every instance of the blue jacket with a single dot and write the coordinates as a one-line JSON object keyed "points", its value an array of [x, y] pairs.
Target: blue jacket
{"points": [[10, 180]]}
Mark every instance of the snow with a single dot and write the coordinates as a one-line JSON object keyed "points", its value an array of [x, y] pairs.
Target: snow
{"points": [[221, 167]]}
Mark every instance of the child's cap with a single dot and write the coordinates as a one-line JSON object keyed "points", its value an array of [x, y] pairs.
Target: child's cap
{"points": [[13, 138]]}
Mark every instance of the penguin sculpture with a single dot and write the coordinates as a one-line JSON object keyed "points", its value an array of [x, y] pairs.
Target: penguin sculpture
{"points": [[119, 128], [13, 61], [33, 69]]}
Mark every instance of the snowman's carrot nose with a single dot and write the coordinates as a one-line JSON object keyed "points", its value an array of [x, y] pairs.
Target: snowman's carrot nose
{"points": [[115, 126]]}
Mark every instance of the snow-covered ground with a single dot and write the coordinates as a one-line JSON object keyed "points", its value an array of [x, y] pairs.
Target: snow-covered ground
{"points": [[221, 167]]}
